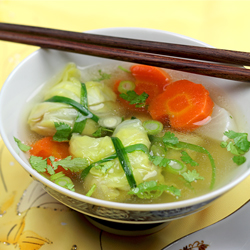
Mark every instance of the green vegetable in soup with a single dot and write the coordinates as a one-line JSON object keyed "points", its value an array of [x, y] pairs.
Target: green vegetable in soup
{"points": [[134, 98], [41, 166], [121, 155], [171, 141], [21, 145], [113, 184], [124, 161], [237, 144], [153, 190], [68, 91], [63, 181]]}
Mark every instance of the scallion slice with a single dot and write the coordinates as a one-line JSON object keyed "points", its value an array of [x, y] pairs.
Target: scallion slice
{"points": [[110, 121], [152, 127], [176, 167], [62, 180], [158, 149], [125, 86]]}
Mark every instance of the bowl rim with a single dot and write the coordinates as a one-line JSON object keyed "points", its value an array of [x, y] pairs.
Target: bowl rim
{"points": [[111, 204]]}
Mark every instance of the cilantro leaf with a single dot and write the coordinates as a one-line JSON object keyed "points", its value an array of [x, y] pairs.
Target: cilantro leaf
{"points": [[188, 160], [239, 159], [172, 165], [237, 144], [170, 139], [153, 190], [63, 132], [74, 165], [22, 146], [38, 163], [133, 98], [103, 76], [191, 176], [240, 141]]}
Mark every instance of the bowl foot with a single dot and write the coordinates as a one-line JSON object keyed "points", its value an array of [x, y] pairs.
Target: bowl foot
{"points": [[126, 229]]}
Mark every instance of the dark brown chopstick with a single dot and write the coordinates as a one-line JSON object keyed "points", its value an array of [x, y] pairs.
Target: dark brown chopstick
{"points": [[47, 40], [170, 49]]}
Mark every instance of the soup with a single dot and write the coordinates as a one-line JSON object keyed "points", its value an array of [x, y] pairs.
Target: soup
{"points": [[133, 134]]}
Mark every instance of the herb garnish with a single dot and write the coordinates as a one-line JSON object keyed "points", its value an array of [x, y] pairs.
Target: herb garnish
{"points": [[133, 98], [191, 176], [171, 141], [40, 164], [103, 76], [237, 144], [22, 146], [188, 160], [63, 132], [153, 190]]}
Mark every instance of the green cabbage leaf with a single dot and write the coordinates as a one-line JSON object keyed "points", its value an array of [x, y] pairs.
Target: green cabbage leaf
{"points": [[44, 115]]}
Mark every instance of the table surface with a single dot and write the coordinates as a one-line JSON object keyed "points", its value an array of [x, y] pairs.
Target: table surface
{"points": [[27, 222]]}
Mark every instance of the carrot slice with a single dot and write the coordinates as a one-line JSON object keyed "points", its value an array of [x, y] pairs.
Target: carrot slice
{"points": [[184, 104], [46, 147], [149, 79], [155, 76]]}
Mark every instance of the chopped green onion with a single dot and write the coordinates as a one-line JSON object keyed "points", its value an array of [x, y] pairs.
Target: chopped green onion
{"points": [[65, 182], [125, 86], [152, 127], [122, 68], [176, 167], [91, 191], [110, 122], [76, 105], [56, 176], [124, 161], [62, 180], [157, 149]]}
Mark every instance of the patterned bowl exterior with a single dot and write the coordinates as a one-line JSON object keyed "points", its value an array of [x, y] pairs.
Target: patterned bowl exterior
{"points": [[126, 216]]}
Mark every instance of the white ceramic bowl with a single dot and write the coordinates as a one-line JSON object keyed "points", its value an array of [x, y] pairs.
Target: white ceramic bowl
{"points": [[43, 64]]}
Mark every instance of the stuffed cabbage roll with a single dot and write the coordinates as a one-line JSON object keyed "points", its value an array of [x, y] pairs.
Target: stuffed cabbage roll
{"points": [[109, 178], [101, 101]]}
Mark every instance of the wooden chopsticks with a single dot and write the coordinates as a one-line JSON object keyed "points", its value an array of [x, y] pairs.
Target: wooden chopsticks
{"points": [[137, 51]]}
